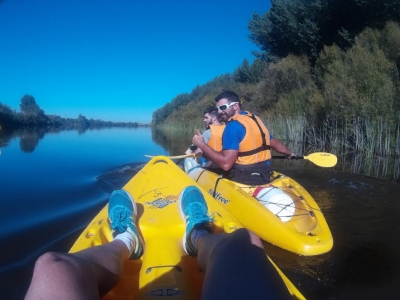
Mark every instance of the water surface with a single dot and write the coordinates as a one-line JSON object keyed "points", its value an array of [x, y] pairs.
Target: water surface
{"points": [[52, 185]]}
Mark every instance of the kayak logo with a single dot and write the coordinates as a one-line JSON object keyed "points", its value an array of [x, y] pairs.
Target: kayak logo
{"points": [[166, 292], [218, 197], [160, 203]]}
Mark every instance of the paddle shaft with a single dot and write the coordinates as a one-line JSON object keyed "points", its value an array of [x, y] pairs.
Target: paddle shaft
{"points": [[287, 157], [321, 159]]}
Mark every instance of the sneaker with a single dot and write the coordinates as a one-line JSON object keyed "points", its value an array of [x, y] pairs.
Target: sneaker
{"points": [[122, 215], [193, 209]]}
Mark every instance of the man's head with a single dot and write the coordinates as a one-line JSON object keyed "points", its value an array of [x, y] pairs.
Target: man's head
{"points": [[211, 116], [228, 104]]}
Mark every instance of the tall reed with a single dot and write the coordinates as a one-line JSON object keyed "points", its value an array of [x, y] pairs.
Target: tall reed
{"points": [[375, 137]]}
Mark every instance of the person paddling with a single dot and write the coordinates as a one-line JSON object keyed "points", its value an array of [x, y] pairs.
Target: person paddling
{"points": [[246, 143]]}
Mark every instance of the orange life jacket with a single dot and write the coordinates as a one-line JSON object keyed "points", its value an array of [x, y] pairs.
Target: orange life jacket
{"points": [[215, 141], [255, 146]]}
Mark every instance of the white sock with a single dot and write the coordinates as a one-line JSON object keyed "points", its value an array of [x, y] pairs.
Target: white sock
{"points": [[128, 240]]}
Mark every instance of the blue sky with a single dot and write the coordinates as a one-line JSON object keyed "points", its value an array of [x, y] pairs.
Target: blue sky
{"points": [[118, 60]]}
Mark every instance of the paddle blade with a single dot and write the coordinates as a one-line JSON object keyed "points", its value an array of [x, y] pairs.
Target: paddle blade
{"points": [[322, 159]]}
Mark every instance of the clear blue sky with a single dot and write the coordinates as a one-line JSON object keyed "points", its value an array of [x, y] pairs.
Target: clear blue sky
{"points": [[118, 60]]}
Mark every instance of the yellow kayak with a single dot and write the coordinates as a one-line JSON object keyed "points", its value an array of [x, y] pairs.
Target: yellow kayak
{"points": [[164, 270], [284, 214]]}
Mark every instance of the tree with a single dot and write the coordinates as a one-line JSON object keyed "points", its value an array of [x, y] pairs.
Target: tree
{"points": [[31, 113], [305, 27], [242, 73], [28, 106], [289, 27], [361, 82], [247, 73], [6, 117]]}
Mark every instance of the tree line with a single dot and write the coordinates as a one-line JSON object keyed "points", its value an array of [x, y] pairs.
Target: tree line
{"points": [[32, 116]]}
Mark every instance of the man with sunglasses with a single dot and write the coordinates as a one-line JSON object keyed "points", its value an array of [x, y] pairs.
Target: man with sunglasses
{"points": [[246, 143]]}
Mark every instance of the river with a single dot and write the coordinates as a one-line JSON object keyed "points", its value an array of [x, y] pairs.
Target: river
{"points": [[52, 185]]}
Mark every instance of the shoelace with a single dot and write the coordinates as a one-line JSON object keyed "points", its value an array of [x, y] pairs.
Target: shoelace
{"points": [[121, 220], [197, 213]]}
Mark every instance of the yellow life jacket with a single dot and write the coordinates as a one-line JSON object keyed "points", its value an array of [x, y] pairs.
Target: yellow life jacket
{"points": [[215, 141], [255, 146]]}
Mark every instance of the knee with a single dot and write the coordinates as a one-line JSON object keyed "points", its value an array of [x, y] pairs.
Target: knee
{"points": [[246, 236], [51, 260], [254, 239]]}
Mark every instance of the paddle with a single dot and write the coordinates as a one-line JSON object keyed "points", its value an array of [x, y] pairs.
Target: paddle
{"points": [[321, 159], [195, 155]]}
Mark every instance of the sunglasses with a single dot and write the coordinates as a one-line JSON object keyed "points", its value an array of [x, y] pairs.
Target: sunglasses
{"points": [[226, 106]]}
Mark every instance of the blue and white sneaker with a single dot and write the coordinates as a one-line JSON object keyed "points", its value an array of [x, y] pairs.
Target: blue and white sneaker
{"points": [[122, 215], [193, 209]]}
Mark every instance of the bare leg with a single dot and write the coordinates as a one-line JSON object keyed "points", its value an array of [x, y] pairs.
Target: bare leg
{"points": [[88, 274], [236, 267], [92, 272]]}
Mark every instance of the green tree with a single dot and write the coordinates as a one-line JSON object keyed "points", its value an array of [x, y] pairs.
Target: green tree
{"points": [[28, 106], [7, 117], [305, 27], [83, 122], [242, 73], [361, 83], [289, 27], [31, 114], [247, 73], [283, 77]]}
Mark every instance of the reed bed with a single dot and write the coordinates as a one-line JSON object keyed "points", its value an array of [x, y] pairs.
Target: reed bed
{"points": [[371, 138]]}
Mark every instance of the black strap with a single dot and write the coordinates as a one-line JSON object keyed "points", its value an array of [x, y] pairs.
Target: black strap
{"points": [[264, 145], [215, 187], [198, 177], [216, 182]]}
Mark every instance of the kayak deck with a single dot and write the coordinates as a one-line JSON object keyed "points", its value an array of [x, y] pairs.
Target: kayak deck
{"points": [[164, 270]]}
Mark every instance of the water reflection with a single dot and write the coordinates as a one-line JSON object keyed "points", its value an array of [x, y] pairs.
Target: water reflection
{"points": [[29, 138], [379, 167], [173, 141]]}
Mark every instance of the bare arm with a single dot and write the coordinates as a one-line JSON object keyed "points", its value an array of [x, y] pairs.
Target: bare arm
{"points": [[281, 148], [225, 159]]}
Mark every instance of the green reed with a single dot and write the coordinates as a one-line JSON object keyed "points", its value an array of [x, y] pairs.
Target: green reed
{"points": [[375, 137]]}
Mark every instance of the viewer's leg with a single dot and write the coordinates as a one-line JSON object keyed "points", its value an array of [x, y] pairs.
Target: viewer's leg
{"points": [[236, 265], [90, 273], [82, 275]]}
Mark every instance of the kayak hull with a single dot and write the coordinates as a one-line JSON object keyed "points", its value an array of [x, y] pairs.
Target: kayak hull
{"points": [[300, 227]]}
